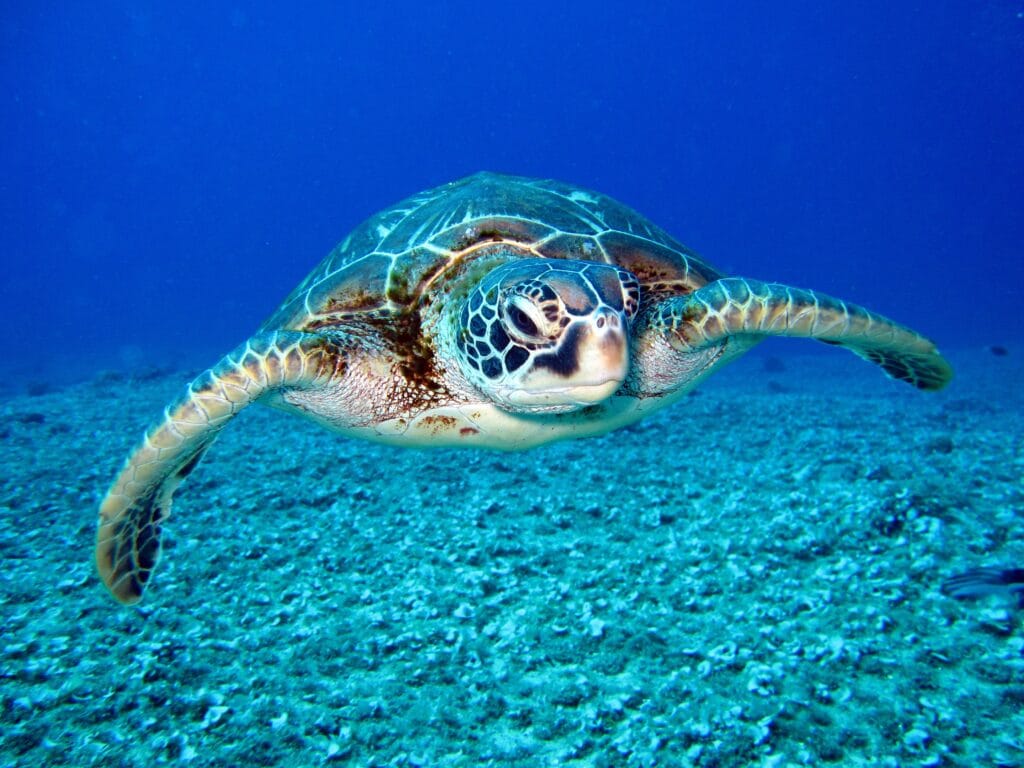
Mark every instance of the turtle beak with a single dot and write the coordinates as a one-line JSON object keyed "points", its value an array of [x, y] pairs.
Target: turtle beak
{"points": [[603, 357], [588, 366]]}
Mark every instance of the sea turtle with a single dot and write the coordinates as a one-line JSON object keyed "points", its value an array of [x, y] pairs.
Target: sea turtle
{"points": [[493, 311]]}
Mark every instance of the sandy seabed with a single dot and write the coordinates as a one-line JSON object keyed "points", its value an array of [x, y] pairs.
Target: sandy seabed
{"points": [[749, 578]]}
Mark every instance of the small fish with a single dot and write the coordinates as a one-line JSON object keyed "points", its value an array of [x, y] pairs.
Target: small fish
{"points": [[984, 581]]}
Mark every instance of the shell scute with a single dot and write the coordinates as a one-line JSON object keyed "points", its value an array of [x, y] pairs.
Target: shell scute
{"points": [[359, 287], [491, 229], [411, 272], [654, 263], [389, 261], [581, 247]]}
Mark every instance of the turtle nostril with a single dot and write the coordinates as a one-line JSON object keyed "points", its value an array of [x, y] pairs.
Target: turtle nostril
{"points": [[607, 320]]}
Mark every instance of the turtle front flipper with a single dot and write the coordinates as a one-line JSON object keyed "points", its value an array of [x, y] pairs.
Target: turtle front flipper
{"points": [[128, 539], [749, 309]]}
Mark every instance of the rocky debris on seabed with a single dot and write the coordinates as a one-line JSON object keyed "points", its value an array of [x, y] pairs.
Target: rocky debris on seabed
{"points": [[749, 578]]}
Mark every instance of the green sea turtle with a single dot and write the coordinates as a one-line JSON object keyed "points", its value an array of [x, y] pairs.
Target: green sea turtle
{"points": [[494, 311]]}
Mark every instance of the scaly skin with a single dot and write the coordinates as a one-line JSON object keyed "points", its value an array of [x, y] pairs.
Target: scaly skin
{"points": [[128, 539], [738, 307]]}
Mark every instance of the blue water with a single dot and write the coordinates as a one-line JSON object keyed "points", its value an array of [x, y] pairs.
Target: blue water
{"points": [[169, 172]]}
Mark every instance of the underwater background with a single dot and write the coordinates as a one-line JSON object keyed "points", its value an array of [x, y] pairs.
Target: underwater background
{"points": [[749, 578], [170, 171]]}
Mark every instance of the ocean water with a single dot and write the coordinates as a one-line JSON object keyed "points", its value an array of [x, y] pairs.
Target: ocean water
{"points": [[752, 576]]}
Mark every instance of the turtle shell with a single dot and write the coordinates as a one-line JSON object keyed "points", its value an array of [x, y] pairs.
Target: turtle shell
{"points": [[388, 263]]}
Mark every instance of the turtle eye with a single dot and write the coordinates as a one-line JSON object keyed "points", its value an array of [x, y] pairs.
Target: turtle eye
{"points": [[523, 318], [522, 321]]}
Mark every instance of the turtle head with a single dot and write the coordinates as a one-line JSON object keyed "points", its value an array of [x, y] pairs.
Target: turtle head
{"points": [[542, 335]]}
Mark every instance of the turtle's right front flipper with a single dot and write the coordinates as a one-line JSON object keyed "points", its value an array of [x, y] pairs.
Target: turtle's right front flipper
{"points": [[128, 539]]}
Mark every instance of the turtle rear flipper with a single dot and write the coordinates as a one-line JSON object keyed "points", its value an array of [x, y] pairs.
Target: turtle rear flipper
{"points": [[128, 539], [737, 307]]}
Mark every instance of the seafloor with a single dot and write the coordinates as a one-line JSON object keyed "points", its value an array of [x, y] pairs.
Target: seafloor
{"points": [[750, 578]]}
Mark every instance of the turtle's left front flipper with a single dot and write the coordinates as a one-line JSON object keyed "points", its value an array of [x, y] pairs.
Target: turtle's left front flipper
{"points": [[128, 539], [741, 308]]}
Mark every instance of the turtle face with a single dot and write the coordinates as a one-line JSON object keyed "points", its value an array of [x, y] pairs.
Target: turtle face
{"points": [[548, 334]]}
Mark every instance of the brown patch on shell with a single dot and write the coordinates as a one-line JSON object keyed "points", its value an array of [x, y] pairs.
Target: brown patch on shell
{"points": [[411, 274], [577, 247], [437, 423], [494, 229], [359, 287], [415, 271], [653, 263]]}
